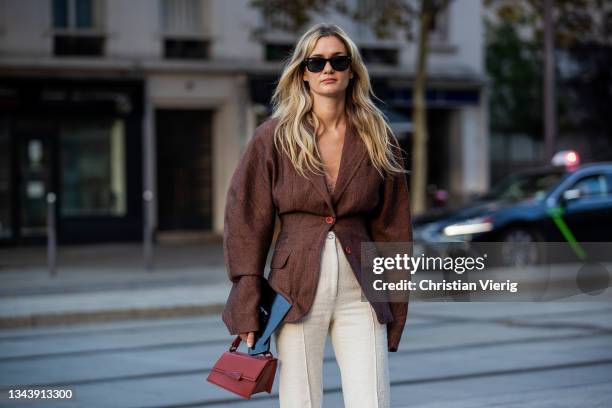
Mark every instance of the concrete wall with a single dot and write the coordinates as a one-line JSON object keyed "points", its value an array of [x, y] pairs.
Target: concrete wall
{"points": [[134, 34], [466, 39], [469, 161], [133, 30], [25, 30]]}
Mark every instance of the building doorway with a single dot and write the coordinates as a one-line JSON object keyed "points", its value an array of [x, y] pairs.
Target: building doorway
{"points": [[184, 169]]}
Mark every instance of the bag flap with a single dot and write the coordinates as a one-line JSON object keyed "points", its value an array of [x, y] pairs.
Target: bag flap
{"points": [[240, 365]]}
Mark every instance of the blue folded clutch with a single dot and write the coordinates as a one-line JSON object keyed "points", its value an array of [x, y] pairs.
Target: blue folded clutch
{"points": [[271, 313]]}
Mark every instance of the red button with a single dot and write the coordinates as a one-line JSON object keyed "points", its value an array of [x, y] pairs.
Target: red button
{"points": [[329, 220], [348, 250]]}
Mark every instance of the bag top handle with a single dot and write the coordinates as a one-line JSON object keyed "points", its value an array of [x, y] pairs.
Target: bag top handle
{"points": [[235, 343]]}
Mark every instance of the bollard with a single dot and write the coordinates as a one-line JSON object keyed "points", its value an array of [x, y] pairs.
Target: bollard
{"points": [[51, 234], [147, 196]]}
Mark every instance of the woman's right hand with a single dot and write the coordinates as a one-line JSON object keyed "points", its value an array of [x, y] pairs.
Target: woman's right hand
{"points": [[249, 338]]}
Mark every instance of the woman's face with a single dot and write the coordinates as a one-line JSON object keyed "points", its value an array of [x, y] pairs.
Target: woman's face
{"points": [[328, 82]]}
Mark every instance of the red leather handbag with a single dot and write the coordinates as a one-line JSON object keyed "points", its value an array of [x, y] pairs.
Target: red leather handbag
{"points": [[242, 373]]}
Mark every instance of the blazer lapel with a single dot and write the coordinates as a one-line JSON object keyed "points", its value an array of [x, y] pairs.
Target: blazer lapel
{"points": [[353, 153]]}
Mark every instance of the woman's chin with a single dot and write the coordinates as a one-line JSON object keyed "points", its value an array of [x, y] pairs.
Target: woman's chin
{"points": [[330, 92]]}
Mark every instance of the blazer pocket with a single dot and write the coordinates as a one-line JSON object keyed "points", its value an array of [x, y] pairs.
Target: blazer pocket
{"points": [[279, 259]]}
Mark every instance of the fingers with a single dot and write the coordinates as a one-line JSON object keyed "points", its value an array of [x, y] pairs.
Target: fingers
{"points": [[251, 339], [248, 338]]}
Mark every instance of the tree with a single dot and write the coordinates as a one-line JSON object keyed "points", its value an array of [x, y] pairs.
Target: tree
{"points": [[514, 66], [385, 18], [515, 44], [576, 21]]}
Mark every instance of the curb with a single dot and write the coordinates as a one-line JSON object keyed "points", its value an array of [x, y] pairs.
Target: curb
{"points": [[108, 315]]}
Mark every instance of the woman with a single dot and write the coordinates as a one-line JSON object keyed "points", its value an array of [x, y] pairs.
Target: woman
{"points": [[329, 166]]}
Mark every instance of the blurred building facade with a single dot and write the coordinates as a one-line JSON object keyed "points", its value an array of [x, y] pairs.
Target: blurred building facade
{"points": [[107, 102]]}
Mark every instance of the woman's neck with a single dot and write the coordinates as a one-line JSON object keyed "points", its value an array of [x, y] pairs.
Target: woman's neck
{"points": [[329, 111]]}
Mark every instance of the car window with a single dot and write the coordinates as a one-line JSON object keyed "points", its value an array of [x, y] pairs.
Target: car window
{"points": [[524, 186], [592, 186]]}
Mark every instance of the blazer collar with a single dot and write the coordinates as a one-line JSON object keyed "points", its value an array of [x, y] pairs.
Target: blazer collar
{"points": [[354, 152]]}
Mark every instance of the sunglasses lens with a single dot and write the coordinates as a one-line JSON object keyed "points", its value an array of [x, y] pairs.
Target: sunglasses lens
{"points": [[315, 64], [340, 63]]}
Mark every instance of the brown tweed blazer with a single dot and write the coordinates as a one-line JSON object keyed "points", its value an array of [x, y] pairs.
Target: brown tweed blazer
{"points": [[362, 207]]}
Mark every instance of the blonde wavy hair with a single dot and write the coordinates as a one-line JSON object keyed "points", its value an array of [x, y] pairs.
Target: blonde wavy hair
{"points": [[297, 125]]}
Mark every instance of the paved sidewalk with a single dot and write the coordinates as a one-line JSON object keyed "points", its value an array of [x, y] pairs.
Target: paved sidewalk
{"points": [[107, 282]]}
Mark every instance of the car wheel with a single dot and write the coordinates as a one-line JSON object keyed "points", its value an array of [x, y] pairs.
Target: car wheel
{"points": [[519, 247]]}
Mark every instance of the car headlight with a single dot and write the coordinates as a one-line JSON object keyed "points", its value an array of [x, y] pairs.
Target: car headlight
{"points": [[470, 226]]}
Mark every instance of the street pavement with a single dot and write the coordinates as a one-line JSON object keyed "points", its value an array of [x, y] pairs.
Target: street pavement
{"points": [[120, 336], [110, 282], [451, 355]]}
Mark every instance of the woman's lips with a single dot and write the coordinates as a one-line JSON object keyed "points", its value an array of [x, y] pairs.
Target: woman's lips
{"points": [[328, 80]]}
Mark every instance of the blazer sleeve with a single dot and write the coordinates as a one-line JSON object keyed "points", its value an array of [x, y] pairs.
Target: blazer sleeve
{"points": [[391, 222], [250, 215]]}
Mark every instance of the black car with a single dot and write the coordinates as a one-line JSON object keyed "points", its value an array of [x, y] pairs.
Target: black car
{"points": [[546, 204]]}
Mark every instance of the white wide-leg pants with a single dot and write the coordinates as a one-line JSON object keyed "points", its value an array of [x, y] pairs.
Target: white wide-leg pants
{"points": [[359, 341]]}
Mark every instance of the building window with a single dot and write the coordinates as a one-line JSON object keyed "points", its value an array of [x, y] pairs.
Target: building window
{"points": [[377, 55], [77, 28], [438, 32], [93, 176], [185, 49], [184, 30], [3, 18], [278, 52]]}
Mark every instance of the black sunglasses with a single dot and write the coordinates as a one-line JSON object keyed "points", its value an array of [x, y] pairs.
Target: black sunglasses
{"points": [[338, 62]]}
